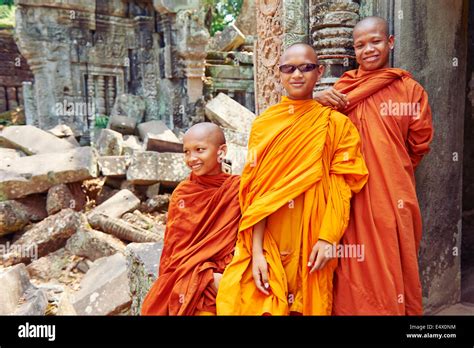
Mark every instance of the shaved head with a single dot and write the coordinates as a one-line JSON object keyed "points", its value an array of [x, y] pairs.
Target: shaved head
{"points": [[372, 22], [299, 47], [206, 131]]}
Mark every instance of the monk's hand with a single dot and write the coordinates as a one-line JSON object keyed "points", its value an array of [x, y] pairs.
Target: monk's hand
{"points": [[260, 272], [320, 255], [331, 97], [217, 280]]}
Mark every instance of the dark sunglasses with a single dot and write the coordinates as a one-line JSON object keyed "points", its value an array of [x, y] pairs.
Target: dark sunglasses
{"points": [[290, 68]]}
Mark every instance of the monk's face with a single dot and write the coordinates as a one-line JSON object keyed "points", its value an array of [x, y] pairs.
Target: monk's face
{"points": [[202, 155], [372, 45], [299, 84]]}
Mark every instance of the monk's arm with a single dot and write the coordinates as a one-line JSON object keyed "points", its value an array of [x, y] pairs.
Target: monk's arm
{"points": [[332, 97], [420, 132], [259, 263], [348, 174], [257, 237]]}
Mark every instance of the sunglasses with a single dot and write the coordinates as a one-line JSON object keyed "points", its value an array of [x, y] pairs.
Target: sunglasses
{"points": [[290, 68]]}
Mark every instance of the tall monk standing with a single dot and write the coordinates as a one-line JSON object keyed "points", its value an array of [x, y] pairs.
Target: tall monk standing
{"points": [[203, 219], [392, 114], [304, 164]]}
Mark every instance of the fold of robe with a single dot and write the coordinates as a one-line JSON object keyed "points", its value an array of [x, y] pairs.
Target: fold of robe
{"points": [[393, 117], [201, 231], [304, 163]]}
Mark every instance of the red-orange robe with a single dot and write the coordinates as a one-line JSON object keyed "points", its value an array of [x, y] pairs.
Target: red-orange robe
{"points": [[203, 219], [392, 114], [304, 164]]}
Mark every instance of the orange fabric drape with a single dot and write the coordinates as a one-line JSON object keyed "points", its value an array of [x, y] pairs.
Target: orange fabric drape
{"points": [[304, 163], [203, 218], [393, 117]]}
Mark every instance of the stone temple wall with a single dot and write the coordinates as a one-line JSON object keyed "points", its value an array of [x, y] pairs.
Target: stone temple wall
{"points": [[13, 72], [84, 54]]}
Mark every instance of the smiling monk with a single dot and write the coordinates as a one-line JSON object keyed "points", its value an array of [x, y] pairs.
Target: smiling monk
{"points": [[203, 218], [304, 164], [392, 114]]}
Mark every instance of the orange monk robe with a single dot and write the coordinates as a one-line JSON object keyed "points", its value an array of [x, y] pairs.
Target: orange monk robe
{"points": [[385, 215], [304, 163], [203, 219]]}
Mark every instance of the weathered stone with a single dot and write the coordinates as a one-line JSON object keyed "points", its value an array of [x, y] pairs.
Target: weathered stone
{"points": [[10, 154], [153, 190], [105, 288], [113, 165], [59, 198], [78, 194], [236, 137], [109, 143], [230, 72], [143, 260], [72, 140], [105, 193], [247, 19], [131, 106], [158, 137], [149, 167], [59, 299], [34, 174], [238, 156], [228, 40], [45, 237], [34, 301], [94, 244], [117, 205], [61, 131], [157, 203], [35, 206], [226, 112], [131, 143], [13, 217], [122, 124], [32, 140], [51, 265], [137, 190], [13, 283]]}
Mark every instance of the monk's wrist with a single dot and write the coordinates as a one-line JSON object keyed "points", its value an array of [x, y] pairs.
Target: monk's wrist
{"points": [[257, 251]]}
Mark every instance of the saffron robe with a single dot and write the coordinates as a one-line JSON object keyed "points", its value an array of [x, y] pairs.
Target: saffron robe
{"points": [[304, 163], [201, 231], [392, 114]]}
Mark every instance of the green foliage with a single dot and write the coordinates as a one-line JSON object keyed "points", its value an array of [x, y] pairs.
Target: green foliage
{"points": [[101, 121], [7, 16], [222, 13]]}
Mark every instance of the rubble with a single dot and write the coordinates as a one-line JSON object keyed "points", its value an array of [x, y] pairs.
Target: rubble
{"points": [[143, 260], [35, 174], [158, 137], [59, 198], [122, 124], [105, 288], [10, 154], [13, 217], [35, 206], [52, 265], [113, 165], [94, 244], [14, 281], [227, 40], [34, 301], [120, 203], [131, 106], [131, 143], [32, 140], [109, 143], [122, 229], [45, 237], [148, 167], [226, 112]]}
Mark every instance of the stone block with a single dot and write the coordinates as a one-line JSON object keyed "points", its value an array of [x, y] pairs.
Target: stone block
{"points": [[117, 205], [14, 281], [122, 124], [105, 288], [35, 174], [148, 167], [94, 244], [143, 261], [113, 165], [131, 106], [13, 217], [109, 143], [59, 198], [158, 137], [226, 112], [228, 40], [32, 140], [131, 143]]}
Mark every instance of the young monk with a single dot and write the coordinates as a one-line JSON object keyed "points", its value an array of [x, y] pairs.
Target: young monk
{"points": [[203, 218], [295, 193], [392, 114]]}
